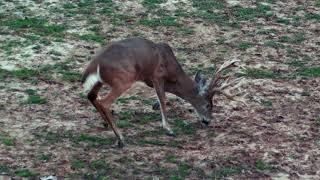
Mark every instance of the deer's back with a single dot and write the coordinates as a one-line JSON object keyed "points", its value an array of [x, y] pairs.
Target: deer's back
{"points": [[136, 58]]}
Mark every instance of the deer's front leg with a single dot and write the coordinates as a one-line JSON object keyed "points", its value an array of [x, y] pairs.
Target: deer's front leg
{"points": [[159, 87]]}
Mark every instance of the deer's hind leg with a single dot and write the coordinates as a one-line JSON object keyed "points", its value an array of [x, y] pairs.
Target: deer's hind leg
{"points": [[116, 90]]}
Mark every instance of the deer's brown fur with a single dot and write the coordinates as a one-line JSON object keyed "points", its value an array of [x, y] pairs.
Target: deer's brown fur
{"points": [[124, 62]]}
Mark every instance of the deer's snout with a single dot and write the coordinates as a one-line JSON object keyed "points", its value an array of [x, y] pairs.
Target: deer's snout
{"points": [[205, 122]]}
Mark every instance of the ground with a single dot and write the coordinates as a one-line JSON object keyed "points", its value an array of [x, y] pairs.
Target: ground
{"points": [[48, 127]]}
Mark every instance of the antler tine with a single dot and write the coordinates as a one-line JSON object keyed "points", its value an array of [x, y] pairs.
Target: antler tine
{"points": [[227, 84], [218, 76], [232, 97], [226, 65]]}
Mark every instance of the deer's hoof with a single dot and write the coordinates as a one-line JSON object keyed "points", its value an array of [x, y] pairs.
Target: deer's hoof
{"points": [[121, 144], [105, 124], [156, 105], [171, 133]]}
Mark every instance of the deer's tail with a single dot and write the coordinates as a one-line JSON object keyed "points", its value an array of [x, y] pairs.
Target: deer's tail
{"points": [[91, 76]]}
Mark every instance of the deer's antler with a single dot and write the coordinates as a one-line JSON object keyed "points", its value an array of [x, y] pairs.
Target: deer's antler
{"points": [[219, 83]]}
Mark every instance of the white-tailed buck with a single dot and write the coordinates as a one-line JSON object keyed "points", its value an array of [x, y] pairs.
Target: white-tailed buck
{"points": [[125, 62]]}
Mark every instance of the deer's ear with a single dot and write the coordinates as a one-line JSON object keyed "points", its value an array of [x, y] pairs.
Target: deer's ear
{"points": [[201, 83]]}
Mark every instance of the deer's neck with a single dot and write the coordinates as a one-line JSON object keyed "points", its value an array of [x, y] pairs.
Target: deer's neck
{"points": [[184, 88]]}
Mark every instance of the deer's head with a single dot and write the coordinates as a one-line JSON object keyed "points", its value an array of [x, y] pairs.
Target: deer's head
{"points": [[207, 89]]}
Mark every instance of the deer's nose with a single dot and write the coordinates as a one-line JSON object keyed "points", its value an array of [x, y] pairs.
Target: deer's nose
{"points": [[205, 122]]}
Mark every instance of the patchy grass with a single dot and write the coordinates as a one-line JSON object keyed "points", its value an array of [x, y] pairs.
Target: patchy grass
{"points": [[227, 171], [152, 3], [205, 5], [317, 121], [266, 102], [23, 73], [44, 157], [260, 73], [163, 21], [34, 98], [245, 14], [309, 72], [313, 16], [38, 26], [4, 169], [78, 139], [294, 39], [183, 171], [25, 173], [244, 45], [78, 164], [273, 44], [7, 140], [182, 127], [93, 141], [262, 165], [92, 37]]}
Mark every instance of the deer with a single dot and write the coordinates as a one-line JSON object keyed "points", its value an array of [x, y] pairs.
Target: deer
{"points": [[124, 62]]}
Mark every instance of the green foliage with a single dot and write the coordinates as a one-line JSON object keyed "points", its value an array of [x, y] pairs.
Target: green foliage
{"points": [[64, 69], [124, 123], [260, 73], [152, 3], [33, 98], [99, 164], [313, 16], [4, 169], [45, 72], [267, 31], [273, 44], [147, 118], [6, 140], [125, 100], [78, 164], [317, 121], [184, 128], [245, 45], [294, 39], [297, 38], [71, 76], [93, 141], [213, 17], [36, 25], [26, 173], [171, 158], [309, 72], [24, 73], [297, 63], [86, 139], [283, 21], [185, 31], [44, 157], [152, 142], [266, 102], [262, 165], [162, 21], [183, 171], [244, 14], [227, 171], [208, 5], [158, 142], [92, 37]]}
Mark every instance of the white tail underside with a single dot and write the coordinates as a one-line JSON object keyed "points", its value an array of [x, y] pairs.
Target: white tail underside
{"points": [[91, 80]]}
